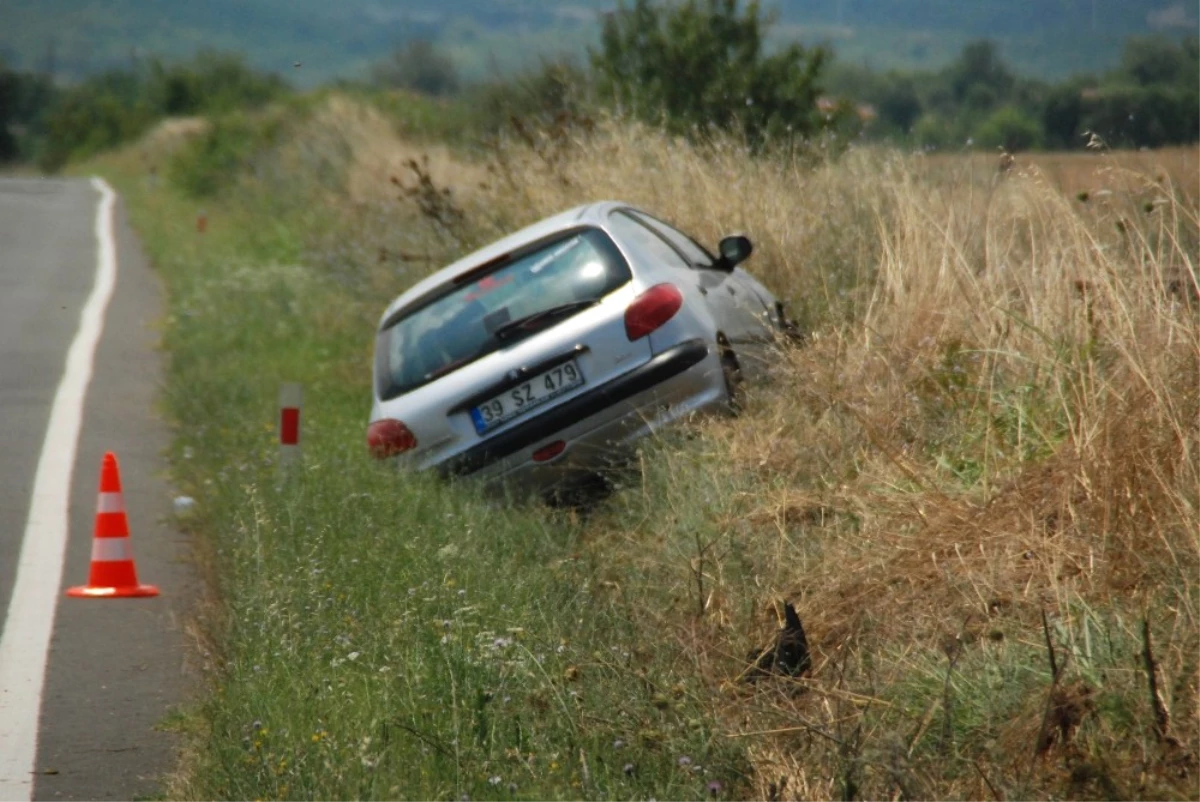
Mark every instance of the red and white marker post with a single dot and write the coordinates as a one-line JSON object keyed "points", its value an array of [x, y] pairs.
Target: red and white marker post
{"points": [[291, 397]]}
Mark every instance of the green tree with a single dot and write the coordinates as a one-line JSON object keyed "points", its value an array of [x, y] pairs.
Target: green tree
{"points": [[1010, 128], [899, 102], [979, 73], [418, 66], [932, 132], [99, 113], [116, 106], [25, 98], [211, 83], [1143, 116], [555, 93], [1156, 60], [1062, 114], [8, 112], [703, 63]]}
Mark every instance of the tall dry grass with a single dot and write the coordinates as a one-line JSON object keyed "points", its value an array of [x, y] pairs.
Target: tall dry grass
{"points": [[983, 462], [995, 421]]}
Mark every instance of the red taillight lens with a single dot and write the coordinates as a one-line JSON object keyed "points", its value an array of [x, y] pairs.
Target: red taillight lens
{"points": [[549, 452], [651, 309], [389, 437]]}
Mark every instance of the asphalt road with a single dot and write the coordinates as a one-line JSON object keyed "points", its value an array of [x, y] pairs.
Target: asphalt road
{"points": [[116, 667]]}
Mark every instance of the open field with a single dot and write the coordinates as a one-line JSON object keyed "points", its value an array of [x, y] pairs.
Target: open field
{"points": [[1090, 172], [978, 482]]}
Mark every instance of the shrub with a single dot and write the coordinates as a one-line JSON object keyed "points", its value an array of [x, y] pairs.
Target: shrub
{"points": [[214, 159], [119, 105], [1010, 128], [417, 66], [701, 64]]}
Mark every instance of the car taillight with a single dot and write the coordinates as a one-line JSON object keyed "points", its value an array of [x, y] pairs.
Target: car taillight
{"points": [[651, 309], [387, 437]]}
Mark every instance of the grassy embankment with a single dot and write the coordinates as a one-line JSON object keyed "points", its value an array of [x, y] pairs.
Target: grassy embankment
{"points": [[988, 446]]}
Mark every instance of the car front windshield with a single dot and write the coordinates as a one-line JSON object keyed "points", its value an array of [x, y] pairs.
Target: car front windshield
{"points": [[536, 289]]}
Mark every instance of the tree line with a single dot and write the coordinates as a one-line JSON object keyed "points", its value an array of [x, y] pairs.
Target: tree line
{"points": [[47, 124], [690, 66], [704, 63], [1151, 99]]}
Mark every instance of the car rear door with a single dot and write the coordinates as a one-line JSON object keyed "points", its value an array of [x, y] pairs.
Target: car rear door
{"points": [[630, 226], [747, 326]]}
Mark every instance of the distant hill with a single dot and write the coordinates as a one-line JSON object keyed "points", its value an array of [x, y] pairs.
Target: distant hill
{"points": [[1039, 38], [1048, 39]]}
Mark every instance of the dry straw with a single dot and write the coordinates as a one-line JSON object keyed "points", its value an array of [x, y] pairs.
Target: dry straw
{"points": [[994, 420]]}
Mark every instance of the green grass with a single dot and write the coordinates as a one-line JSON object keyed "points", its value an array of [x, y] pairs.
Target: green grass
{"points": [[381, 635], [373, 634]]}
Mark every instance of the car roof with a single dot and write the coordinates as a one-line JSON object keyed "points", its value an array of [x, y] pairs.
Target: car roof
{"points": [[588, 214]]}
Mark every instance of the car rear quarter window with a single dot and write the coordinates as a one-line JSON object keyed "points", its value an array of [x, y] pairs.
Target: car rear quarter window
{"points": [[628, 229], [461, 323], [692, 250]]}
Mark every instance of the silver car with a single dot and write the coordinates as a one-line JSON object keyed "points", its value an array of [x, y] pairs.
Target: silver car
{"points": [[541, 359]]}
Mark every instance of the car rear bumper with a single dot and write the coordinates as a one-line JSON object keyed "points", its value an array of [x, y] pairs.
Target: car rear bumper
{"points": [[612, 396]]}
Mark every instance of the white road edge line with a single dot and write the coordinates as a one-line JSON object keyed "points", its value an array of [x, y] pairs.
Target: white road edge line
{"points": [[25, 644]]}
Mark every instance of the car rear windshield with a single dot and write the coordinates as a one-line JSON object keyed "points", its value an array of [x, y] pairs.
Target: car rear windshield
{"points": [[532, 290]]}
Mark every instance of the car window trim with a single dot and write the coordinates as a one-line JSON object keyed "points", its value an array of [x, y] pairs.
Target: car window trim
{"points": [[634, 214], [625, 212]]}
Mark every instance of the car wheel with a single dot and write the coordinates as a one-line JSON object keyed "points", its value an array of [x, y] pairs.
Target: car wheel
{"points": [[731, 371]]}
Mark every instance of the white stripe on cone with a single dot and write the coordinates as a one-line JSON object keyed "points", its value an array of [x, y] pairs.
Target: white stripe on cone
{"points": [[111, 550], [110, 502]]}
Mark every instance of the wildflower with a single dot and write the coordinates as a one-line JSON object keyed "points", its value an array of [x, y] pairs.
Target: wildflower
{"points": [[684, 760], [494, 779], [618, 744], [352, 656], [714, 788], [628, 769]]}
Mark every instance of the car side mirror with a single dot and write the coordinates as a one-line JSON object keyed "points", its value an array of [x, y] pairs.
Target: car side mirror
{"points": [[734, 250]]}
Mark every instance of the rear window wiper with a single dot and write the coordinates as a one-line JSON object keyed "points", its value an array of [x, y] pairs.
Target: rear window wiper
{"points": [[531, 323]]}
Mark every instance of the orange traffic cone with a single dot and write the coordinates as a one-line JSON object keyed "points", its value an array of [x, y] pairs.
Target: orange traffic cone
{"points": [[113, 573]]}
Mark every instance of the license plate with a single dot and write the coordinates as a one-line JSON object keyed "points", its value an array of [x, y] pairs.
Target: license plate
{"points": [[525, 396]]}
